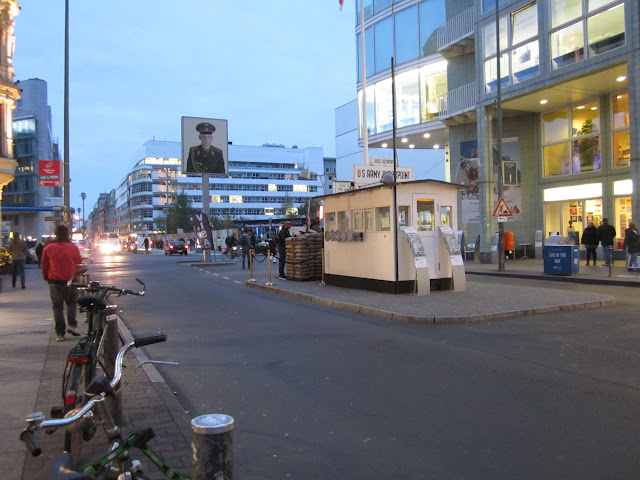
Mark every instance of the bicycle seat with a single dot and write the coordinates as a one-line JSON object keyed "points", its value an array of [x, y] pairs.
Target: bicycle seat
{"points": [[61, 470], [92, 302]]}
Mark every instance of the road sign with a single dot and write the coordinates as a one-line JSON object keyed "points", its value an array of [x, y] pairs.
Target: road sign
{"points": [[53, 219], [502, 209]]}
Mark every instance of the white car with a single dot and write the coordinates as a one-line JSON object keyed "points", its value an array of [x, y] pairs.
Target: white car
{"points": [[84, 246]]}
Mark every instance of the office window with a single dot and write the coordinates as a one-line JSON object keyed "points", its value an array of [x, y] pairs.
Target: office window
{"points": [[490, 4], [525, 62], [406, 35], [490, 37], [431, 16], [379, 5], [235, 198], [563, 11], [433, 83], [384, 106], [605, 30], [300, 188], [368, 36], [383, 45]]}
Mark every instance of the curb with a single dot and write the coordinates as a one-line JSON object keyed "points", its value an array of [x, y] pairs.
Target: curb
{"points": [[559, 278], [429, 319]]}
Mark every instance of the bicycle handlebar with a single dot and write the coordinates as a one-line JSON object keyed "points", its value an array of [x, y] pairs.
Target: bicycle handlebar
{"points": [[37, 421], [95, 287]]}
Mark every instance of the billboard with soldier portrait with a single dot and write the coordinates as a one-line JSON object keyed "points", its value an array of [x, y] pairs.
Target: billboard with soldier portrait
{"points": [[204, 146]]}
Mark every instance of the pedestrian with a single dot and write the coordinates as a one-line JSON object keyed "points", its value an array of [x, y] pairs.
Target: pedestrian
{"points": [[39, 249], [632, 246], [252, 237], [245, 244], [230, 241], [282, 250], [590, 241], [18, 250], [273, 247], [59, 265], [146, 245], [607, 233]]}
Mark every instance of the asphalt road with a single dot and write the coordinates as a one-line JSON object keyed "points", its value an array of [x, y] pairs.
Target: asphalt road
{"points": [[318, 393]]}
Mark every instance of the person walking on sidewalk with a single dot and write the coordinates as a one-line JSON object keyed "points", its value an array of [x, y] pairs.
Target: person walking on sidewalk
{"points": [[18, 250], [245, 244], [590, 242], [282, 250], [632, 246], [59, 265], [607, 234]]}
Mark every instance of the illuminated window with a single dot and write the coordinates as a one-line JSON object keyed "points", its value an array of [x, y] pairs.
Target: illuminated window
{"points": [[621, 135], [273, 187], [300, 188], [292, 211], [235, 198], [426, 215], [268, 211], [216, 199]]}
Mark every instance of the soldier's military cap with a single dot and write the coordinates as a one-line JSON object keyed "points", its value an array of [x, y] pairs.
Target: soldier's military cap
{"points": [[205, 128]]}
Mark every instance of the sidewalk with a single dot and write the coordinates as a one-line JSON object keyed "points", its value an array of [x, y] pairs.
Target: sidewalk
{"points": [[31, 366], [482, 300]]}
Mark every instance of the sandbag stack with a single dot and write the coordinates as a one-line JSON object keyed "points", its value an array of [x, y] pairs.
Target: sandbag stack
{"points": [[304, 257]]}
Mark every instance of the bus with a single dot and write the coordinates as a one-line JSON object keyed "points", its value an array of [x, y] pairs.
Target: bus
{"points": [[109, 243]]}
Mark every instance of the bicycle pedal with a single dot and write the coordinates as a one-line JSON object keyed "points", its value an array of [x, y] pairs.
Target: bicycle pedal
{"points": [[56, 412]]}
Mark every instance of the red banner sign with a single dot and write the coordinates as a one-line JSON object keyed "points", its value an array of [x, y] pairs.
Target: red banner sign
{"points": [[49, 173]]}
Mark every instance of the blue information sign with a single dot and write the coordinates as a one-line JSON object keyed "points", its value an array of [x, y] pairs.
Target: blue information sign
{"points": [[561, 259]]}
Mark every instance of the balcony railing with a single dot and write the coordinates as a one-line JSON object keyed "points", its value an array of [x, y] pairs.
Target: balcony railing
{"points": [[458, 101], [456, 28]]}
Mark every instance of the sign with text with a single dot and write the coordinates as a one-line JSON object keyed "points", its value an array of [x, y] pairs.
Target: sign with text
{"points": [[365, 175], [339, 186], [53, 201], [49, 173], [381, 161]]}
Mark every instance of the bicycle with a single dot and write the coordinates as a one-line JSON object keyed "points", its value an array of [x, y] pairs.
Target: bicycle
{"points": [[90, 353], [116, 463]]}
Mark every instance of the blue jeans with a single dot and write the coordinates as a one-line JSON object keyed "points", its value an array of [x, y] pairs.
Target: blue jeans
{"points": [[61, 294], [607, 253], [18, 269], [245, 254]]}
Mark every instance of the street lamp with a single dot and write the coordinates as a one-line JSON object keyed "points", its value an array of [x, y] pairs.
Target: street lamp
{"points": [[83, 196]]}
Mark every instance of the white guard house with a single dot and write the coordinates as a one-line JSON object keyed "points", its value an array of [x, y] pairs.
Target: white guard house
{"points": [[360, 246]]}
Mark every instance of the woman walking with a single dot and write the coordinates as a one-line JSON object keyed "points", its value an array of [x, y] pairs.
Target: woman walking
{"points": [[590, 241]]}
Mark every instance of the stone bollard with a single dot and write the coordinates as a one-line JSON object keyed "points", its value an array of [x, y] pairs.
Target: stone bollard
{"points": [[212, 444]]}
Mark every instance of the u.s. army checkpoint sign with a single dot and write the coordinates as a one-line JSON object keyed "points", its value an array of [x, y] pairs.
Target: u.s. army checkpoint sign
{"points": [[365, 175]]}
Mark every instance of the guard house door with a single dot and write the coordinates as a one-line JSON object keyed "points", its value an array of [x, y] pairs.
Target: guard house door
{"points": [[427, 222]]}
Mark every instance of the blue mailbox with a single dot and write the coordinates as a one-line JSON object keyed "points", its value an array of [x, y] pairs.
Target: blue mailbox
{"points": [[561, 259]]}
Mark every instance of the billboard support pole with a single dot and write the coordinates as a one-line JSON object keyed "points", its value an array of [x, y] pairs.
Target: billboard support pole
{"points": [[205, 209]]}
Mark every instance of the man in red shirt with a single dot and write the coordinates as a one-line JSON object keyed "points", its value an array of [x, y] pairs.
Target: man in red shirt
{"points": [[59, 260]]}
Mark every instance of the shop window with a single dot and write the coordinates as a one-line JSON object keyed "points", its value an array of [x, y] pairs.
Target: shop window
{"points": [[556, 160], [585, 119], [622, 214], [621, 110], [383, 219], [621, 135], [585, 155], [555, 126], [426, 215]]}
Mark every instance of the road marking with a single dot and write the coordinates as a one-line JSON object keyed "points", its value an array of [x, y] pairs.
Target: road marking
{"points": [[236, 281], [226, 278]]}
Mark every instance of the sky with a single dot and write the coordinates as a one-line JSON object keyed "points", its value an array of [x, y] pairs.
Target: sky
{"points": [[275, 69]]}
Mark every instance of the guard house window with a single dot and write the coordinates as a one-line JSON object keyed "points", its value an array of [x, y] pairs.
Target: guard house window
{"points": [[343, 221], [383, 219], [621, 137], [358, 220], [331, 221], [426, 215], [599, 25], [572, 140], [445, 215], [404, 220], [369, 220], [519, 48]]}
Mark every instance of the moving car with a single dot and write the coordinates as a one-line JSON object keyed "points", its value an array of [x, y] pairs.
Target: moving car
{"points": [[84, 246], [176, 246]]}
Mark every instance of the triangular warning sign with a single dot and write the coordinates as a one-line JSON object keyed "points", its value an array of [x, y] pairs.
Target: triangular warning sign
{"points": [[502, 210]]}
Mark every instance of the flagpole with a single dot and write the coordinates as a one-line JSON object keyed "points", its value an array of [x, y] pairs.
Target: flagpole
{"points": [[363, 70]]}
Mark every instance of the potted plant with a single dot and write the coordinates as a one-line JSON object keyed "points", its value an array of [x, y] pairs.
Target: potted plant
{"points": [[5, 264]]}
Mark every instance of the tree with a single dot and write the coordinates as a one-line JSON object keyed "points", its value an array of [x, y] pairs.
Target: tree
{"points": [[287, 207], [314, 207], [179, 215]]}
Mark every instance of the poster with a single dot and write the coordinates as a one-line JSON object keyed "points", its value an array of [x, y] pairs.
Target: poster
{"points": [[204, 146]]}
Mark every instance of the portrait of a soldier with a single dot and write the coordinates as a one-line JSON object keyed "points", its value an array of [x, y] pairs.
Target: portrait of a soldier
{"points": [[205, 158]]}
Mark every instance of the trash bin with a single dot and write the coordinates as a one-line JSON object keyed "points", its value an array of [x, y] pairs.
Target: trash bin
{"points": [[509, 244], [561, 259]]}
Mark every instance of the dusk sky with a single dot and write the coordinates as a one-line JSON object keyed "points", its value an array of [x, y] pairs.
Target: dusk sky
{"points": [[277, 70]]}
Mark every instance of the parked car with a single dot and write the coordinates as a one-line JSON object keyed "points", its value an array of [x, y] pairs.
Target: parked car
{"points": [[176, 246]]}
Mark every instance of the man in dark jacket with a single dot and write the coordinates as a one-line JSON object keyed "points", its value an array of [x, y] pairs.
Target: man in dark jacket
{"points": [[282, 251], [632, 246], [606, 233], [590, 241]]}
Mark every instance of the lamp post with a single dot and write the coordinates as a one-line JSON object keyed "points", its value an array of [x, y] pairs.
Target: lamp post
{"points": [[83, 196], [66, 180]]}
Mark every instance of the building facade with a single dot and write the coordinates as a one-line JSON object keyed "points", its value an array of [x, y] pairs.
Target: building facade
{"points": [[264, 182], [9, 94], [568, 103], [25, 201]]}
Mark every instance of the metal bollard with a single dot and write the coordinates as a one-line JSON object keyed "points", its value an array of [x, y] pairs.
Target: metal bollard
{"points": [[212, 444], [269, 283], [610, 252], [322, 282]]}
